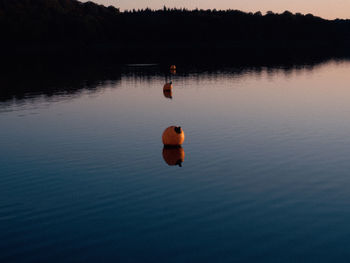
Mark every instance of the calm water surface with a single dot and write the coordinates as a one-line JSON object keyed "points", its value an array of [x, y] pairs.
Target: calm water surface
{"points": [[265, 176]]}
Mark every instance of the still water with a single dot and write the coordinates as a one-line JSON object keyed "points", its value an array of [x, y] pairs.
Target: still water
{"points": [[265, 177]]}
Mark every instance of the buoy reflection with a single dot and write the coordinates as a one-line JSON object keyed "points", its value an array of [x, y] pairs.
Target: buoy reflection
{"points": [[168, 94], [168, 86], [174, 155]]}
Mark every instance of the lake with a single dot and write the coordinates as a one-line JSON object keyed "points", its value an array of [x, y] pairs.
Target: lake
{"points": [[264, 178]]}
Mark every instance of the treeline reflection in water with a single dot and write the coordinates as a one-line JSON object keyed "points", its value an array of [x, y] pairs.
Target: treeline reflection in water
{"points": [[25, 85], [266, 152], [25, 82]]}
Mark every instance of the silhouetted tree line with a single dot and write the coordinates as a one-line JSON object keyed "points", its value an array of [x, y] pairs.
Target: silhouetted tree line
{"points": [[26, 81], [70, 21]]}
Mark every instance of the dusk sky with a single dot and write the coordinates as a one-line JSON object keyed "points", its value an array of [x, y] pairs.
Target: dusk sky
{"points": [[325, 8]]}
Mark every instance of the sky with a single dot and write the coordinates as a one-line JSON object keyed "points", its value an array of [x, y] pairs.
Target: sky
{"points": [[329, 9]]}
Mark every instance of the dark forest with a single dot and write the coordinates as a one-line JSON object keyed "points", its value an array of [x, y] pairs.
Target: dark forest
{"points": [[28, 26]]}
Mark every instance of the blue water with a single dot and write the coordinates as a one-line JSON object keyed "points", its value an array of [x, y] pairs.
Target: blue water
{"points": [[265, 176]]}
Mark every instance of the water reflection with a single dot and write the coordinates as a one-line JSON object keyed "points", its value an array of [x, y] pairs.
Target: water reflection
{"points": [[22, 81], [168, 94], [168, 86], [174, 155], [38, 80], [278, 161]]}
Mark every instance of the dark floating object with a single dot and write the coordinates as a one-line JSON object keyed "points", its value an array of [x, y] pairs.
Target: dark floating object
{"points": [[174, 155], [172, 67], [168, 94], [168, 86], [173, 136]]}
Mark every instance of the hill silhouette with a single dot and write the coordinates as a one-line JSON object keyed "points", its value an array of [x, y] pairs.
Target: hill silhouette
{"points": [[32, 26]]}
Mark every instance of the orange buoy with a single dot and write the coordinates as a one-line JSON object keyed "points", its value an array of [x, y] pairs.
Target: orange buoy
{"points": [[168, 93], [168, 86], [173, 136], [172, 67], [174, 155]]}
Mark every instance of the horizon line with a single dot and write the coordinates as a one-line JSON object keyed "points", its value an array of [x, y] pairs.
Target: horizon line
{"points": [[215, 10]]}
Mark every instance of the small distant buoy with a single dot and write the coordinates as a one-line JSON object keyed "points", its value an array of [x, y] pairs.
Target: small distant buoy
{"points": [[172, 67], [168, 93], [173, 136], [174, 156], [168, 86], [173, 71]]}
